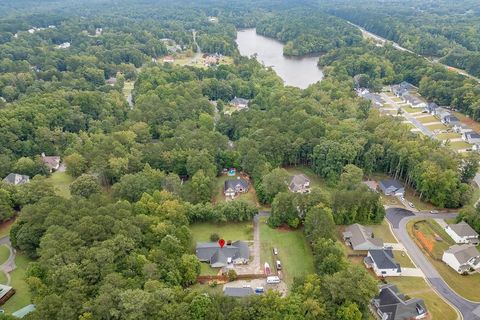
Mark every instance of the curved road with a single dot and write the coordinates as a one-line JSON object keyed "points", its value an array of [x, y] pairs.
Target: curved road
{"points": [[398, 218]]}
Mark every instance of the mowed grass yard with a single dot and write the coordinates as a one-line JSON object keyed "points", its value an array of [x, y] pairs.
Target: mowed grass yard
{"points": [[466, 286], [22, 296], [61, 182], [426, 119], [249, 197], [437, 126], [4, 253], [402, 258], [293, 251], [448, 136], [416, 287], [383, 231], [457, 145]]}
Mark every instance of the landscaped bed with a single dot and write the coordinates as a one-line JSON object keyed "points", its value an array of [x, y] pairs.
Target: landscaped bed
{"points": [[293, 251], [416, 287], [466, 286]]}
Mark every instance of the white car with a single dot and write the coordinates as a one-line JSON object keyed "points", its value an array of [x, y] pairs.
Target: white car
{"points": [[411, 205]]}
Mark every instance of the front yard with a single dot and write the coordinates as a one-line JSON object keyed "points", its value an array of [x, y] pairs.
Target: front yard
{"points": [[293, 251], [448, 136], [416, 287], [383, 231], [466, 286], [427, 119]]}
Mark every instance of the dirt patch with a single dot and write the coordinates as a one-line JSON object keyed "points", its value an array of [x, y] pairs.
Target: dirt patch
{"points": [[6, 225]]}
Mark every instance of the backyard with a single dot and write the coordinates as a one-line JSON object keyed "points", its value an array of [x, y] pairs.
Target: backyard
{"points": [[417, 288], [426, 119], [293, 251], [61, 182], [466, 286]]}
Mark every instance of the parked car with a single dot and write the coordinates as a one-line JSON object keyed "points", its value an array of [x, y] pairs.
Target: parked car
{"points": [[433, 211], [259, 290], [411, 205], [275, 251], [273, 280], [278, 265]]}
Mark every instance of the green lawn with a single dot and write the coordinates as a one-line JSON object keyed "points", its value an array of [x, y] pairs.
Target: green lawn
{"points": [[229, 231], [466, 286], [427, 119], [416, 287], [250, 196], [206, 270], [22, 296], [430, 228], [293, 251], [437, 126], [61, 181], [3, 278], [383, 231], [459, 145], [448, 135], [411, 110], [315, 180], [4, 253], [402, 258]]}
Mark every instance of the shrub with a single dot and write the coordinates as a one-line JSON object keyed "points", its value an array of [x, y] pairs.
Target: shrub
{"points": [[214, 237]]}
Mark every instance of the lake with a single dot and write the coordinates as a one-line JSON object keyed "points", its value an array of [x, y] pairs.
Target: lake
{"points": [[295, 71]]}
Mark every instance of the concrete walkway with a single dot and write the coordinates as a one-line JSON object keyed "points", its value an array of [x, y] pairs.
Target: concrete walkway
{"points": [[394, 246]]}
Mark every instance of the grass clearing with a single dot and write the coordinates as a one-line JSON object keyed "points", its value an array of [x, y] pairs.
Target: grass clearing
{"points": [[206, 270], [411, 110], [229, 231], [427, 119], [402, 258], [4, 253], [61, 182], [22, 296], [293, 251], [436, 126], [205, 288], [383, 231], [250, 196], [448, 136], [465, 286], [416, 287], [457, 145]]}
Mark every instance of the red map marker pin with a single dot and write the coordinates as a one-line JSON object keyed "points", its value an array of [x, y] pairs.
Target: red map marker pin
{"points": [[221, 242]]}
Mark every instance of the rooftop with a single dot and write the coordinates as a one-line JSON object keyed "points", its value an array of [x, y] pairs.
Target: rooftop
{"points": [[464, 252], [463, 229], [238, 292], [383, 259]]}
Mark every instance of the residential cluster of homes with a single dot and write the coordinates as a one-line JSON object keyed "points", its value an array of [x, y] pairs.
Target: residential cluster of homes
{"points": [[234, 187], [463, 257], [390, 303], [51, 162]]}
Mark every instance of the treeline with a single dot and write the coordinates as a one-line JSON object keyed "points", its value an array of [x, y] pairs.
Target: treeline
{"points": [[441, 29], [305, 31]]}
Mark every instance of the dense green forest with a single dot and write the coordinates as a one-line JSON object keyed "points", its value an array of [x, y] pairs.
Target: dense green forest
{"points": [[121, 247]]}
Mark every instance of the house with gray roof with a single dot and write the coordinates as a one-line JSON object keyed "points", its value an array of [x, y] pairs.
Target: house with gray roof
{"points": [[299, 183], [234, 187], [239, 103], [471, 137], [431, 108], [462, 233], [211, 252], [238, 292], [449, 120], [392, 187], [361, 238], [391, 304], [462, 128], [16, 179], [463, 258], [383, 263], [414, 101]]}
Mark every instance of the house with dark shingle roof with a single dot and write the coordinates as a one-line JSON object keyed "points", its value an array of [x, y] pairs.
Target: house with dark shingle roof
{"points": [[392, 187], [462, 233], [233, 187], [391, 304], [16, 179], [238, 292], [299, 183], [383, 263], [239, 103], [471, 137], [211, 252], [449, 119], [463, 258], [361, 238]]}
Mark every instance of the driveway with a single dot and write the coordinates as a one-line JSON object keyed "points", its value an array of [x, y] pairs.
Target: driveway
{"points": [[398, 219]]}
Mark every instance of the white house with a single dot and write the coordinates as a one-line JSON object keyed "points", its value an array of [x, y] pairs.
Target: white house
{"points": [[383, 263], [462, 233], [461, 128], [300, 184], [463, 258]]}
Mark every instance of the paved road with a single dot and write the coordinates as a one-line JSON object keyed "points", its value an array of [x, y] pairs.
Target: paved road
{"points": [[399, 218]]}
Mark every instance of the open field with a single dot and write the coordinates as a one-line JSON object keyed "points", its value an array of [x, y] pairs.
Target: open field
{"points": [[22, 296], [61, 182], [250, 196], [427, 119], [466, 286], [293, 251], [4, 253], [448, 135], [416, 287], [459, 145], [402, 258], [229, 231], [383, 231], [437, 126]]}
